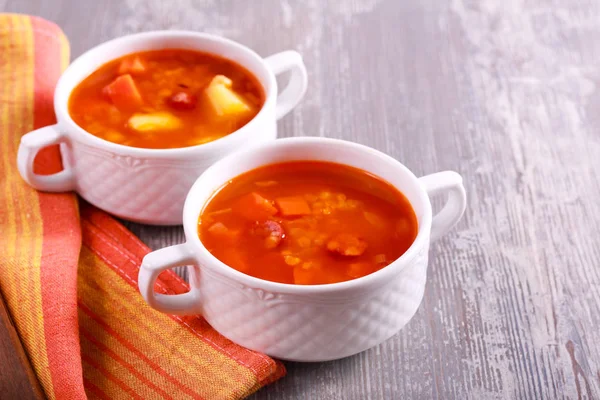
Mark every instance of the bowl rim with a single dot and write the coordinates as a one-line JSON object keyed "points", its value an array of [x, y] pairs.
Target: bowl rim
{"points": [[67, 125], [205, 259]]}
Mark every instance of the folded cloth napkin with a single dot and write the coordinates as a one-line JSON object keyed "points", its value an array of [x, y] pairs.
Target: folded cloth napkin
{"points": [[68, 273]]}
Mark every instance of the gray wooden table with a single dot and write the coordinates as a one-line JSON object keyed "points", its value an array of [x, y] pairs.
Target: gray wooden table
{"points": [[504, 92]]}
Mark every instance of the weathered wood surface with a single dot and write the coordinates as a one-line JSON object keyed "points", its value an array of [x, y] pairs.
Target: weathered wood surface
{"points": [[506, 93], [17, 378]]}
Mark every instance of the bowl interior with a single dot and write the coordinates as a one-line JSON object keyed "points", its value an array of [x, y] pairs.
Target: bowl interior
{"points": [[300, 149], [89, 62]]}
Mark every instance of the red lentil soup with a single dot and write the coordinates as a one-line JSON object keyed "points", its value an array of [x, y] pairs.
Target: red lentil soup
{"points": [[166, 99], [307, 223]]}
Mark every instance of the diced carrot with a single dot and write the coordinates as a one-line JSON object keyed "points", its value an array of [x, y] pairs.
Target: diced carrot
{"points": [[218, 229], [346, 244], [254, 207], [292, 206], [131, 66], [123, 92], [380, 259]]}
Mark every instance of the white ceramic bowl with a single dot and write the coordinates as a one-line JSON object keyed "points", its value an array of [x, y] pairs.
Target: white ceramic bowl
{"points": [[149, 185], [314, 322]]}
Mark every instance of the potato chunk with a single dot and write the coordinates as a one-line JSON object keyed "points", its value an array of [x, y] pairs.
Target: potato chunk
{"points": [[224, 100], [154, 121]]}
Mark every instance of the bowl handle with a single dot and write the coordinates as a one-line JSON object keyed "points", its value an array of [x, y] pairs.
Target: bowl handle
{"points": [[447, 183], [291, 95], [31, 144], [156, 262]]}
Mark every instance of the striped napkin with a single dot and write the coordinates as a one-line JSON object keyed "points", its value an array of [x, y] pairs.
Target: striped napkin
{"points": [[68, 272]]}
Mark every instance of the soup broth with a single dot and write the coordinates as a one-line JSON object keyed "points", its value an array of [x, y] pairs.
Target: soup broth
{"points": [[307, 223], [166, 99]]}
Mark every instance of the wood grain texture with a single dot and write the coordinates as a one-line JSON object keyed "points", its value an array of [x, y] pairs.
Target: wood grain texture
{"points": [[17, 378], [506, 93]]}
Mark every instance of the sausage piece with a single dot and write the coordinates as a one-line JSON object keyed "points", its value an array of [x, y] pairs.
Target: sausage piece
{"points": [[182, 101], [271, 231]]}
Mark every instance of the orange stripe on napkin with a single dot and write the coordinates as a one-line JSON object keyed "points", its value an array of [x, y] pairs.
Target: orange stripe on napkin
{"points": [[82, 321], [22, 224], [60, 222]]}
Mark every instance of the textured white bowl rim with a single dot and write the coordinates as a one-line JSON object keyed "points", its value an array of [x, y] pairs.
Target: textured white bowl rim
{"points": [[192, 211], [67, 123]]}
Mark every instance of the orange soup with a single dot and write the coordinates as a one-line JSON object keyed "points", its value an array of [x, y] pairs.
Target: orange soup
{"points": [[307, 223], [166, 99]]}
